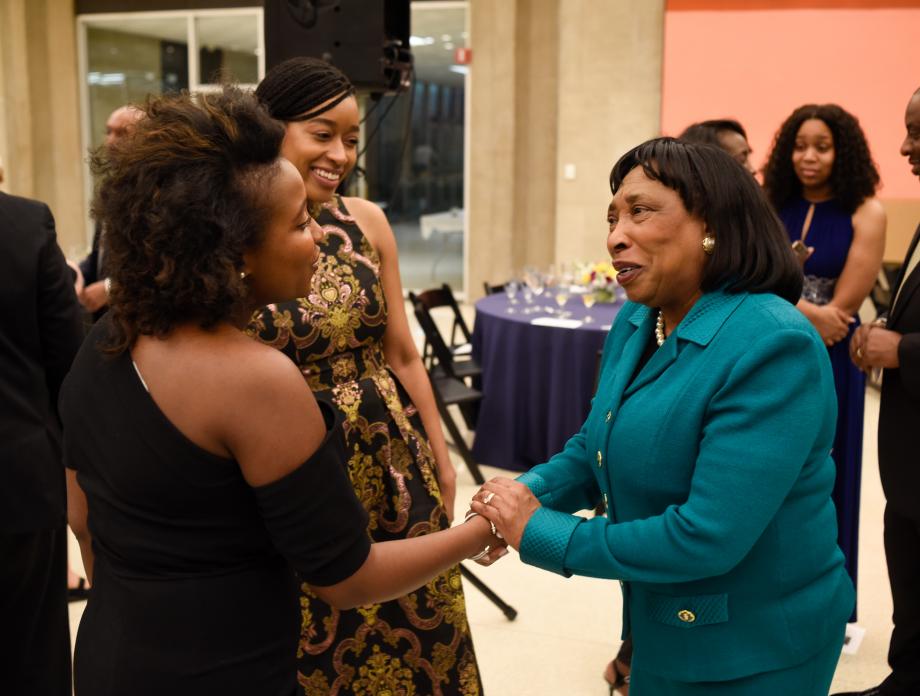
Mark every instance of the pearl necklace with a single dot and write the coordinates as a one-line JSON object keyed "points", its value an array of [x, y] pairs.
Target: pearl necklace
{"points": [[659, 329]]}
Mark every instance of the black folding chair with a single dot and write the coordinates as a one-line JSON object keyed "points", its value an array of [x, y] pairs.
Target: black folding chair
{"points": [[450, 389], [459, 344], [493, 289], [447, 376]]}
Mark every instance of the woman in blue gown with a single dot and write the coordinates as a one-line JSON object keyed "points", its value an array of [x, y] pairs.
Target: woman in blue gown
{"points": [[822, 181]]}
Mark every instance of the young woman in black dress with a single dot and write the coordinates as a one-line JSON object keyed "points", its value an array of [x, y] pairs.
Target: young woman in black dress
{"points": [[195, 485]]}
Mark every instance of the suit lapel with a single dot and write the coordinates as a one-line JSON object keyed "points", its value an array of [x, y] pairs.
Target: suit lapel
{"points": [[659, 362], [642, 321], [700, 325]]}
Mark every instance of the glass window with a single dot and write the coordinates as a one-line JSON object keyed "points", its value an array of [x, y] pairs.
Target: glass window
{"points": [[414, 151], [228, 49], [129, 59], [126, 57]]}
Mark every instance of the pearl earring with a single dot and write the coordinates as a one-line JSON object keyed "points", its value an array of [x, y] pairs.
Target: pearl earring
{"points": [[709, 244], [243, 275]]}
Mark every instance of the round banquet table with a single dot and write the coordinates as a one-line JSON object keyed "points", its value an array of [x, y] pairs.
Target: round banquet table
{"points": [[537, 378]]}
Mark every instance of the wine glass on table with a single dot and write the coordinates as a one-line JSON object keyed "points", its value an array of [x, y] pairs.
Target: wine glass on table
{"points": [[588, 298], [561, 294], [532, 280], [511, 290], [535, 283]]}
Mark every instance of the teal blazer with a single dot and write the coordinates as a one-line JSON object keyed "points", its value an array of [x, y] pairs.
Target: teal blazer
{"points": [[715, 466]]}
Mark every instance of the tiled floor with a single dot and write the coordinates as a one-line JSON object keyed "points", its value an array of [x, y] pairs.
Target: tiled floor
{"points": [[567, 629]]}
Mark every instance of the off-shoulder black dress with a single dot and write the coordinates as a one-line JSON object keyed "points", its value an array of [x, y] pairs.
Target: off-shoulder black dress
{"points": [[194, 591]]}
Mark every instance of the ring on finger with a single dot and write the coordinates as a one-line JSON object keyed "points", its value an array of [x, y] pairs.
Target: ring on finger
{"points": [[488, 498]]}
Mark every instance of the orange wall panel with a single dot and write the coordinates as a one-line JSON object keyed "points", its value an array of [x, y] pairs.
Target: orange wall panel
{"points": [[758, 65]]}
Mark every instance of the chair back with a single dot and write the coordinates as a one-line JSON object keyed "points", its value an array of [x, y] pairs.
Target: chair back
{"points": [[444, 297], [436, 349], [493, 289]]}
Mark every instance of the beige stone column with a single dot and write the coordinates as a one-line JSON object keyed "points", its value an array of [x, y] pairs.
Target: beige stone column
{"points": [[610, 73], [512, 137], [40, 125], [559, 88], [491, 146]]}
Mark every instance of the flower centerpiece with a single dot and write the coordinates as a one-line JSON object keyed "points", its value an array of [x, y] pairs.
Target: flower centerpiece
{"points": [[601, 280]]}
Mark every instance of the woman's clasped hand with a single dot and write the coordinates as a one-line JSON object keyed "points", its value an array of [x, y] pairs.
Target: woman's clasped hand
{"points": [[508, 505]]}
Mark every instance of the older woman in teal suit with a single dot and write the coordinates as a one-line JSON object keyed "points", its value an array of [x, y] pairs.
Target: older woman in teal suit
{"points": [[709, 440]]}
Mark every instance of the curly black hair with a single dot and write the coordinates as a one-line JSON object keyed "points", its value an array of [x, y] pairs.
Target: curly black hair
{"points": [[180, 199], [854, 177]]}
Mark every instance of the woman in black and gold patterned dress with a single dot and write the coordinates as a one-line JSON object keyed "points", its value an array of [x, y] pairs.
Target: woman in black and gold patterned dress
{"points": [[351, 339]]}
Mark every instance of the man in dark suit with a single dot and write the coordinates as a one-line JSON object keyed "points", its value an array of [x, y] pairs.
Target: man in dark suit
{"points": [[895, 347], [95, 294], [40, 333]]}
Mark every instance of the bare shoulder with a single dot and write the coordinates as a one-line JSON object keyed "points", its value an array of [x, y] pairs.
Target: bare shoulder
{"points": [[270, 420], [365, 209], [870, 216], [372, 221], [262, 373]]}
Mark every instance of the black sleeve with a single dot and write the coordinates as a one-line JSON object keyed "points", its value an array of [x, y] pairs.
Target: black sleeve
{"points": [[89, 264], [314, 518], [909, 363], [60, 318]]}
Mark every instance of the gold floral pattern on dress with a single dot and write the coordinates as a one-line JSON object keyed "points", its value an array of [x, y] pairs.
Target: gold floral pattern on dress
{"points": [[383, 675], [344, 368], [419, 644], [315, 685]]}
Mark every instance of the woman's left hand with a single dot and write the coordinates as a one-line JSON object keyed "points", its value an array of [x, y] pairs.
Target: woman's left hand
{"points": [[510, 506]]}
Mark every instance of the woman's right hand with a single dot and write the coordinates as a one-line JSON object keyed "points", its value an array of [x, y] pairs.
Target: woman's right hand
{"points": [[832, 323], [509, 505]]}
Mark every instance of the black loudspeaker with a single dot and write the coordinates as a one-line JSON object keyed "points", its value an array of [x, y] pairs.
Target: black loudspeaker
{"points": [[368, 40]]}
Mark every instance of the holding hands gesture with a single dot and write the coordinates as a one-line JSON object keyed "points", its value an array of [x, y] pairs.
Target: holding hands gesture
{"points": [[508, 505]]}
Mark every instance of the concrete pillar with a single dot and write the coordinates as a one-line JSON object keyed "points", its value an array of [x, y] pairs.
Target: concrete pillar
{"points": [[610, 72], [40, 122], [557, 86]]}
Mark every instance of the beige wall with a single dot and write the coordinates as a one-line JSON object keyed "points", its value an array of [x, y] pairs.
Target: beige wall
{"points": [[554, 83], [492, 142], [40, 125], [903, 218], [609, 101]]}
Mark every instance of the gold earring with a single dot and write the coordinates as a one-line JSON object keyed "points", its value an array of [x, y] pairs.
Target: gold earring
{"points": [[709, 244]]}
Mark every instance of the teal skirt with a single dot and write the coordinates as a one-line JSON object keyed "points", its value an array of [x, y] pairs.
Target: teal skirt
{"points": [[810, 678]]}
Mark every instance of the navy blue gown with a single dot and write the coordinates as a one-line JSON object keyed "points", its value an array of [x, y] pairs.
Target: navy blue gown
{"points": [[831, 233]]}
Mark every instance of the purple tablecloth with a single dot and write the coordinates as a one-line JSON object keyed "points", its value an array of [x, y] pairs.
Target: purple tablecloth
{"points": [[537, 381]]}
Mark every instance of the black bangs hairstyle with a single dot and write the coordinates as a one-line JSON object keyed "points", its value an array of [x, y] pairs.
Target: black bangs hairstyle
{"points": [[303, 88], [752, 251]]}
